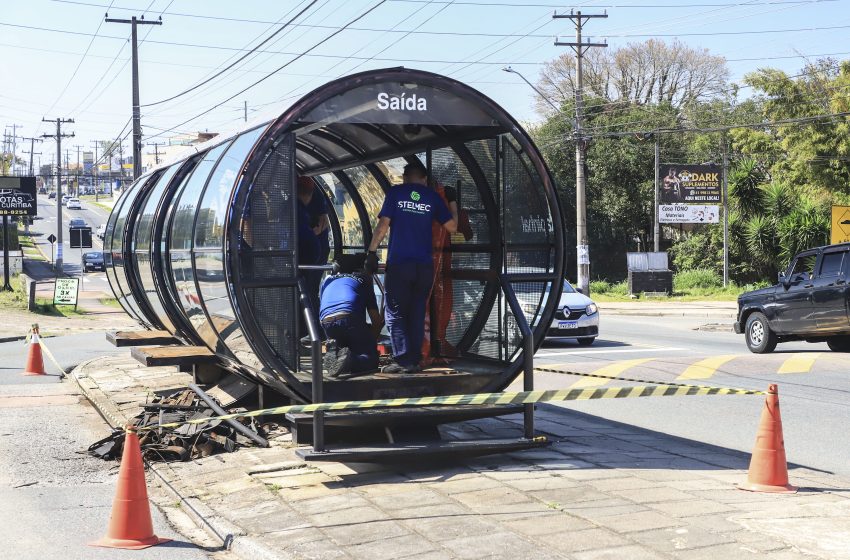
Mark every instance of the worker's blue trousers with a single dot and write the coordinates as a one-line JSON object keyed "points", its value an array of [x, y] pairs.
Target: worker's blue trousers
{"points": [[408, 286], [353, 333]]}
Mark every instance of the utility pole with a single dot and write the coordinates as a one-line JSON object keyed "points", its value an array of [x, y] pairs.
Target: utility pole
{"points": [[32, 151], [13, 142], [57, 267], [121, 162], [656, 226], [156, 146], [725, 210], [94, 170], [78, 168], [137, 119], [579, 48]]}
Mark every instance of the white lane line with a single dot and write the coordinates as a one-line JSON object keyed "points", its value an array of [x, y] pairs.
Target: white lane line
{"points": [[615, 351]]}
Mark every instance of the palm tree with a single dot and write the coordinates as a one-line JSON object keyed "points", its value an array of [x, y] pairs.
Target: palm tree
{"points": [[745, 183]]}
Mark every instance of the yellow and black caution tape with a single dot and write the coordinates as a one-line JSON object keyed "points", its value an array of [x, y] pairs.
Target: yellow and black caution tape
{"points": [[631, 379], [522, 397]]}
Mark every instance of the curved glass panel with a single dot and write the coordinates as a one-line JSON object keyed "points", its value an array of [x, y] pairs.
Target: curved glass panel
{"points": [[108, 261], [126, 297], [180, 240], [209, 239], [343, 206], [142, 245]]}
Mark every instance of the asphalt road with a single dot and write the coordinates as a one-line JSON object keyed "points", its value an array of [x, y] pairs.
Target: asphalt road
{"points": [[54, 499], [94, 216], [814, 385]]}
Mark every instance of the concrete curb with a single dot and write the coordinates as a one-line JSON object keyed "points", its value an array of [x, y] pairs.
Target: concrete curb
{"points": [[231, 536]]}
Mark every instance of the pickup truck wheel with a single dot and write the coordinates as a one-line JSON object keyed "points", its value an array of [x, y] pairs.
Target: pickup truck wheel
{"points": [[760, 337], [839, 343]]}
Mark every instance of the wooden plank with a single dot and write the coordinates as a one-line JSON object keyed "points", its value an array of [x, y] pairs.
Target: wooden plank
{"points": [[123, 339], [173, 355]]}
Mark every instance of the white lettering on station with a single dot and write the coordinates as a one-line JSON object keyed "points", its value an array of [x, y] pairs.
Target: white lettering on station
{"points": [[401, 102]]}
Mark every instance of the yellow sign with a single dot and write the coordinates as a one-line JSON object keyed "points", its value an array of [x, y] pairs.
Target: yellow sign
{"points": [[840, 225]]}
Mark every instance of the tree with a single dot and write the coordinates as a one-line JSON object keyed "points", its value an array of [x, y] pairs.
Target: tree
{"points": [[652, 72]]}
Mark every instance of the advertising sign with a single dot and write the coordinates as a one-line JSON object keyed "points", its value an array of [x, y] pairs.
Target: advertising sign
{"points": [[688, 214], [840, 231], [690, 184], [65, 291], [17, 196]]}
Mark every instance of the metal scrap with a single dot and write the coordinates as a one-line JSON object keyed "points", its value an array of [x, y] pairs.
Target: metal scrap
{"points": [[188, 441]]}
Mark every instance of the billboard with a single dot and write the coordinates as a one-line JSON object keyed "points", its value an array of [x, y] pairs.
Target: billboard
{"points": [[688, 213], [690, 184], [17, 196]]}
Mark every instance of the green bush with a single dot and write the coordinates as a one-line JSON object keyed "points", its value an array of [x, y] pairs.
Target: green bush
{"points": [[698, 278], [600, 287], [619, 289]]}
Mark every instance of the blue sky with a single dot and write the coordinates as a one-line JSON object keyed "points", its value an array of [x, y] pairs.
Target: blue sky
{"points": [[42, 77]]}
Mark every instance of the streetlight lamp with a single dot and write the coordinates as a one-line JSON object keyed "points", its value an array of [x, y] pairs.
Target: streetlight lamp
{"points": [[583, 281]]}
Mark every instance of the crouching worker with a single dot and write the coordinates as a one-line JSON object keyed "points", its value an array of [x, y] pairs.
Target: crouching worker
{"points": [[346, 296]]}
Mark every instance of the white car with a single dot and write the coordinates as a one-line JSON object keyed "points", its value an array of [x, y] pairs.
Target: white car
{"points": [[65, 198], [73, 204], [577, 317], [101, 231]]}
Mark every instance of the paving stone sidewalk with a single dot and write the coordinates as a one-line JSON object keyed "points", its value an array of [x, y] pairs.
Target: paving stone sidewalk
{"points": [[602, 490]]}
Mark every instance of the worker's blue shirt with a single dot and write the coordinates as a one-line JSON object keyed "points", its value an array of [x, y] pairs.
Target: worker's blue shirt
{"points": [[411, 208], [316, 208], [308, 242], [343, 293]]}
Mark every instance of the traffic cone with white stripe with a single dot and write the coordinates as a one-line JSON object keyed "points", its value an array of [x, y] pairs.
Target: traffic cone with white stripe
{"points": [[35, 362]]}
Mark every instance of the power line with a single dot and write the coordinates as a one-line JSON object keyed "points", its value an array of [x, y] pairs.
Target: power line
{"points": [[452, 33], [273, 72], [237, 61], [488, 4]]}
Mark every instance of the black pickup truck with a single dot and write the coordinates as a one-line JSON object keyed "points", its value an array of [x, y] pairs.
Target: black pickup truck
{"points": [[809, 303]]}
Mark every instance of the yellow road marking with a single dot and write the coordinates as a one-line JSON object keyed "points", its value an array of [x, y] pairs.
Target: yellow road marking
{"points": [[611, 370], [704, 369], [799, 363]]}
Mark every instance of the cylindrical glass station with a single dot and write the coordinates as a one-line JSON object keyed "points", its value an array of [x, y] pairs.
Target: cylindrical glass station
{"points": [[207, 247]]}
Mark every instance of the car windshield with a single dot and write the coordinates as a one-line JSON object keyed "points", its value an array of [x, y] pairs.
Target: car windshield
{"points": [[567, 288], [94, 255]]}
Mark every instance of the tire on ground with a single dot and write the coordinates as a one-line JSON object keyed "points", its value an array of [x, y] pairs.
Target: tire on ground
{"points": [[759, 336], [839, 343]]}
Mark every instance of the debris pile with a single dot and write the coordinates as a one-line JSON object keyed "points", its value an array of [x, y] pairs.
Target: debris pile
{"points": [[189, 441]]}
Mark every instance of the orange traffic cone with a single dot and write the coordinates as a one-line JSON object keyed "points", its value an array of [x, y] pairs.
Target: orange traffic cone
{"points": [[130, 525], [35, 362], [768, 467]]}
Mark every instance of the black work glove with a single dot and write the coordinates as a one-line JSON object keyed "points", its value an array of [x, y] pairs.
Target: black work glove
{"points": [[371, 264]]}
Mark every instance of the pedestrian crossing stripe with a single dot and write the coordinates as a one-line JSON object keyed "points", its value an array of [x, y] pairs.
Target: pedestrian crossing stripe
{"points": [[522, 397], [602, 375], [798, 363], [704, 369]]}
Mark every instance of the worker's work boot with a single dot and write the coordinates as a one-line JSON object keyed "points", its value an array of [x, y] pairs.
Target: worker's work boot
{"points": [[338, 362]]}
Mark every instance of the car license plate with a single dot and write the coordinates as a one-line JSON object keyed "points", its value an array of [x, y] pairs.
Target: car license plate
{"points": [[567, 324]]}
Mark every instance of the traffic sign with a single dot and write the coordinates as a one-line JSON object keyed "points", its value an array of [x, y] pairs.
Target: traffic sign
{"points": [[81, 238], [840, 232], [65, 291], [51, 238]]}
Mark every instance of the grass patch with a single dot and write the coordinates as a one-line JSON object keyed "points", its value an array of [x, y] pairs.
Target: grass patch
{"points": [[110, 301], [30, 250], [16, 300], [689, 285]]}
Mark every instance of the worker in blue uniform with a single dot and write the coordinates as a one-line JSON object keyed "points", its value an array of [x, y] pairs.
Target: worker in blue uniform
{"points": [[347, 296], [406, 214]]}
